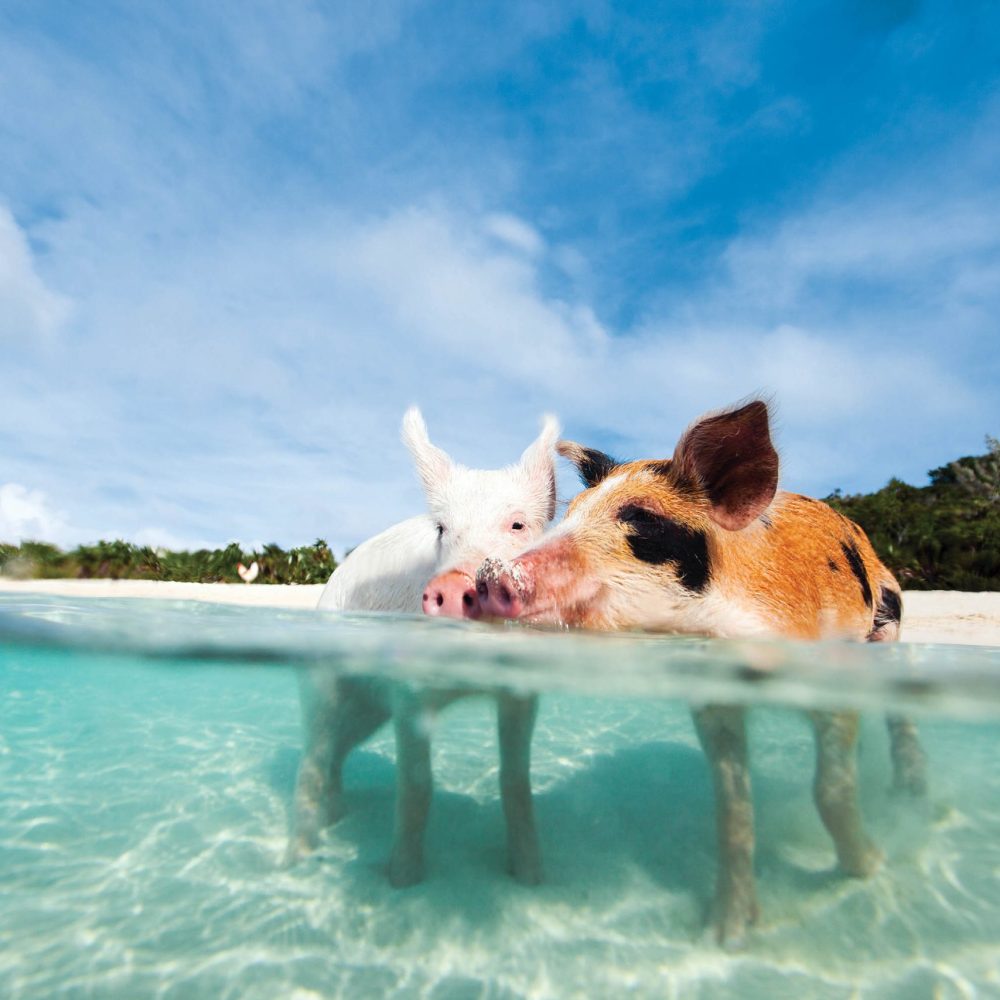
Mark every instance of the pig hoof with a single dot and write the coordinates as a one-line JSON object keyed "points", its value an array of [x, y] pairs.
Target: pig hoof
{"points": [[298, 849], [405, 870], [864, 863], [735, 916]]}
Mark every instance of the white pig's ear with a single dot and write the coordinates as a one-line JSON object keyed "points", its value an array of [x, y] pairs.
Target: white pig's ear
{"points": [[538, 461], [433, 465]]}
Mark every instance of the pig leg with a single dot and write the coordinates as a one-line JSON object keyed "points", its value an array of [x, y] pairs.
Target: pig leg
{"points": [[413, 790], [836, 791], [909, 762], [515, 723], [362, 707], [318, 693], [339, 713], [722, 731]]}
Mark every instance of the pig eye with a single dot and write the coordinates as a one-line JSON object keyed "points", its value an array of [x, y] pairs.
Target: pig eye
{"points": [[634, 514], [517, 526], [440, 529]]}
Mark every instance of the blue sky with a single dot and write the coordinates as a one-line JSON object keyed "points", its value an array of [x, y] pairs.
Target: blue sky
{"points": [[237, 240]]}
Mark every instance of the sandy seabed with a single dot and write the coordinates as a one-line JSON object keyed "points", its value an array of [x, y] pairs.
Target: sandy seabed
{"points": [[928, 615]]}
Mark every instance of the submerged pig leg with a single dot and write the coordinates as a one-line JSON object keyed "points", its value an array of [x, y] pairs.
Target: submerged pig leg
{"points": [[515, 723], [722, 731], [309, 805], [332, 709], [362, 707], [836, 791], [413, 790], [909, 761]]}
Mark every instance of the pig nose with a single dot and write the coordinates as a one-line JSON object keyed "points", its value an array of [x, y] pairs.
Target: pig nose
{"points": [[499, 594], [451, 595]]}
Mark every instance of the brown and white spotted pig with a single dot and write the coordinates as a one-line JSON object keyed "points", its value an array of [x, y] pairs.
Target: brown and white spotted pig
{"points": [[703, 543]]}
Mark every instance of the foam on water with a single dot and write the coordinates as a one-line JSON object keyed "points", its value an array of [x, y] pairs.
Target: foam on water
{"points": [[148, 756]]}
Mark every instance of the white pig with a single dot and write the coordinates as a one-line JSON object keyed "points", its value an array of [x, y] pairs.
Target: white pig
{"points": [[472, 514]]}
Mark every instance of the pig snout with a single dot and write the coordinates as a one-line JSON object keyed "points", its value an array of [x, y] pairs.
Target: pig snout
{"points": [[451, 595], [501, 589]]}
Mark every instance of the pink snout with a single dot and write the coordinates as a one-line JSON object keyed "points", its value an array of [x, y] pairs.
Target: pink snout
{"points": [[500, 590], [451, 595]]}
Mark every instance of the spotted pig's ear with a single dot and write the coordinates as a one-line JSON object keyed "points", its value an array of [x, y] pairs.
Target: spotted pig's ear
{"points": [[593, 465], [729, 455]]}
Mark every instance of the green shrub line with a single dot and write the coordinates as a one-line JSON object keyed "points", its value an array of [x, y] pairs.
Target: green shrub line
{"points": [[943, 536], [119, 560]]}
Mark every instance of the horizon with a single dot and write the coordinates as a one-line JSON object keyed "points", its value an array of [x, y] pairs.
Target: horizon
{"points": [[237, 243]]}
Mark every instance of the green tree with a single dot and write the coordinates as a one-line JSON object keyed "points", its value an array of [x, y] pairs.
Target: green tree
{"points": [[120, 560], [943, 536]]}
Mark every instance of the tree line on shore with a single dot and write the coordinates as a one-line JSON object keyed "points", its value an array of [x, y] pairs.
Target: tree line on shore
{"points": [[120, 560], [942, 536]]}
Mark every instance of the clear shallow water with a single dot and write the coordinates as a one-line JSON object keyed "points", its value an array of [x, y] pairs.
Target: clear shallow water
{"points": [[147, 760]]}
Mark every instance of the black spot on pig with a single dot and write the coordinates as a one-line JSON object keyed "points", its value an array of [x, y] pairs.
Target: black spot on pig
{"points": [[889, 610], [853, 558], [657, 540]]}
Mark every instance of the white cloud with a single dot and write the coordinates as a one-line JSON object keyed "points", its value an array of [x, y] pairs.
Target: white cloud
{"points": [[467, 301], [29, 312], [842, 413], [28, 515], [895, 238], [515, 233]]}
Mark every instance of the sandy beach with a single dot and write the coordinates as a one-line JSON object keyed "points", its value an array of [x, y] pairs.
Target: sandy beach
{"points": [[952, 616], [928, 615]]}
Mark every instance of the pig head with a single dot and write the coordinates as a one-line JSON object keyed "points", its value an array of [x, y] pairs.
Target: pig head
{"points": [[479, 512]]}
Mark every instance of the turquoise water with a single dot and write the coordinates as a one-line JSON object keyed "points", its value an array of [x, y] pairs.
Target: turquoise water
{"points": [[148, 753]]}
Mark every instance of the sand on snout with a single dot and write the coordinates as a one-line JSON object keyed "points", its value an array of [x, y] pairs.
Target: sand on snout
{"points": [[945, 616]]}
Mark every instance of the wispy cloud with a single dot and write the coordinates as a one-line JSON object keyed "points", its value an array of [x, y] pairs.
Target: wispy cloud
{"points": [[28, 515], [30, 312]]}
